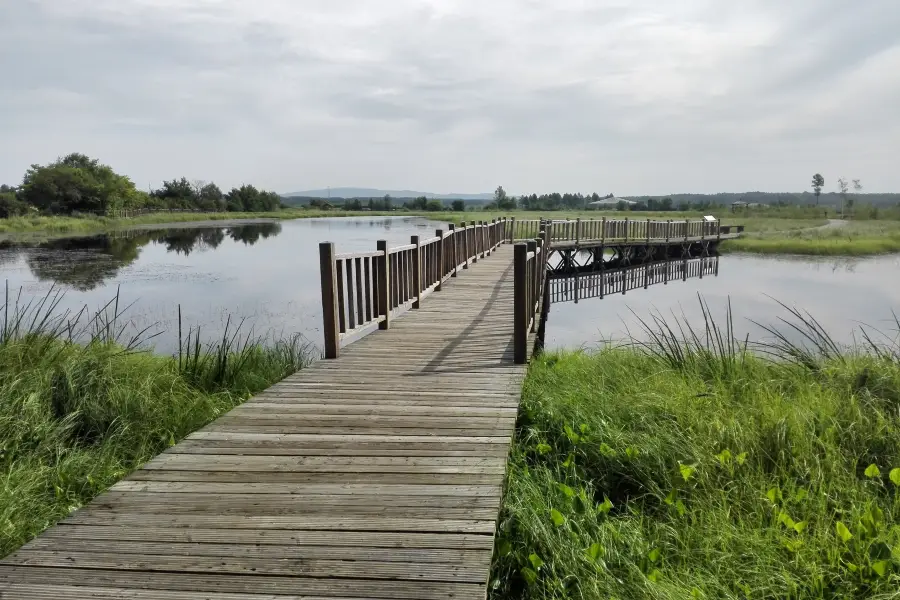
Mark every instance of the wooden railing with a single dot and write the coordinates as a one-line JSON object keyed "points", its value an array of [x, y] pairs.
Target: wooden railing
{"points": [[618, 281], [362, 289], [530, 302], [630, 230]]}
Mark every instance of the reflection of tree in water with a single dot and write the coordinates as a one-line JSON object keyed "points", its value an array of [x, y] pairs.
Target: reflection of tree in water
{"points": [[250, 234], [87, 262], [185, 241], [83, 263]]}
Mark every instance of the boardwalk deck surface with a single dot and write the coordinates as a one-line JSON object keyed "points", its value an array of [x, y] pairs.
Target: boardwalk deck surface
{"points": [[375, 475]]}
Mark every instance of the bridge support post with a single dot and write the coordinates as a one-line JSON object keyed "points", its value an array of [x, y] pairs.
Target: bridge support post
{"points": [[441, 260], [384, 282], [532, 246], [329, 300], [467, 234], [520, 304], [454, 248], [417, 270]]}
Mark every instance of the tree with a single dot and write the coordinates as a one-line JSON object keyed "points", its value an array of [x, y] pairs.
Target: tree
{"points": [[434, 206], [210, 197], [817, 182], [843, 189], [502, 199], [387, 202], [178, 193], [857, 187], [10, 205], [76, 183], [459, 205]]}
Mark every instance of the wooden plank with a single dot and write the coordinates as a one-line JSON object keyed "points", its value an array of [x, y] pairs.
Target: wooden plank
{"points": [[237, 584], [349, 522], [271, 537], [318, 477], [257, 551]]}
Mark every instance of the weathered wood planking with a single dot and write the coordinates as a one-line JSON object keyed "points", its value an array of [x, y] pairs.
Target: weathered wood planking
{"points": [[375, 475]]}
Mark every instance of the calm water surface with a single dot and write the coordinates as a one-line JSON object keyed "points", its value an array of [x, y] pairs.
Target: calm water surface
{"points": [[268, 275]]}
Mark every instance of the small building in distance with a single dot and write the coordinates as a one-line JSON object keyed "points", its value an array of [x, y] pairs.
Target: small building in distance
{"points": [[610, 202]]}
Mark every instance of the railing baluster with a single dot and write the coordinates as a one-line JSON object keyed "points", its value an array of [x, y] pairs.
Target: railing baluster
{"points": [[339, 268], [351, 307], [441, 259], [367, 264]]}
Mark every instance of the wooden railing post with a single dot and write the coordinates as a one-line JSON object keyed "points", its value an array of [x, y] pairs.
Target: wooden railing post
{"points": [[466, 255], [687, 226], [718, 229], [441, 260], [416, 270], [454, 248], [577, 231], [512, 230], [520, 304], [532, 280], [329, 300], [668, 229], [626, 230], [384, 282], [648, 231]]}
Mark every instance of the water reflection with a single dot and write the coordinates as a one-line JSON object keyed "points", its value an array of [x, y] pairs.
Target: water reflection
{"points": [[840, 293], [599, 284], [85, 263]]}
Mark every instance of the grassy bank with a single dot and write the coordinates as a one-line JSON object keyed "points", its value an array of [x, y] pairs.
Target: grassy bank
{"points": [[704, 473], [855, 238], [76, 418], [97, 224]]}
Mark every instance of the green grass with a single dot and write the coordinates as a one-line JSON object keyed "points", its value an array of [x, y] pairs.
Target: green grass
{"points": [[856, 238], [77, 417], [95, 224], [701, 470]]}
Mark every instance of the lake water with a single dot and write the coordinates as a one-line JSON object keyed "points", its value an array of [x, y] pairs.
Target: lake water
{"points": [[267, 274]]}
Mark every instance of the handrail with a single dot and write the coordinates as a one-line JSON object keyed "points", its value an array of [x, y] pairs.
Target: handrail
{"points": [[614, 230], [363, 289], [358, 255]]}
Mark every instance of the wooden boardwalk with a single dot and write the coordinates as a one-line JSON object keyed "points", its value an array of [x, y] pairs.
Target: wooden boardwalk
{"points": [[374, 475]]}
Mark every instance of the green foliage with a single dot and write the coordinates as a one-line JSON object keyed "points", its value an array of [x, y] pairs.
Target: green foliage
{"points": [[434, 206], [76, 183], [459, 206], [751, 479], [77, 417], [249, 199]]}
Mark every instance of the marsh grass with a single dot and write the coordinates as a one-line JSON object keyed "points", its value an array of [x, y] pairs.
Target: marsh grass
{"points": [[855, 238], [699, 465], [82, 404]]}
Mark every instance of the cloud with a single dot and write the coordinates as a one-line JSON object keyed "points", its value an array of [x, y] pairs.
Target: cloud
{"points": [[638, 96]]}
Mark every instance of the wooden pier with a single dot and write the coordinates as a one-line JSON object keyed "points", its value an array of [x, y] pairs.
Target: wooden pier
{"points": [[377, 474]]}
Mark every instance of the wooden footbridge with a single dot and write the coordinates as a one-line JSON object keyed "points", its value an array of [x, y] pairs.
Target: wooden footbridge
{"points": [[375, 474]]}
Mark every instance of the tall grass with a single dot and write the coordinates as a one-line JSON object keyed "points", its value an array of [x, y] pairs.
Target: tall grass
{"points": [[856, 238], [82, 405], [698, 465]]}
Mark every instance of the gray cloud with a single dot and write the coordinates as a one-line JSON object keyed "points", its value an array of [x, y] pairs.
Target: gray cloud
{"points": [[639, 96]]}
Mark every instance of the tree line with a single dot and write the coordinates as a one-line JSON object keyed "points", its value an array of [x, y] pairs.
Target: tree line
{"points": [[78, 184]]}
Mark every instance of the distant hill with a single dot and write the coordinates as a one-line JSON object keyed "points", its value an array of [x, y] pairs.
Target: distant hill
{"points": [[350, 192]]}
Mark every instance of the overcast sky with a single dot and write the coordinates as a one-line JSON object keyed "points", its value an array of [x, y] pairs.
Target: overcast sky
{"points": [[623, 96]]}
